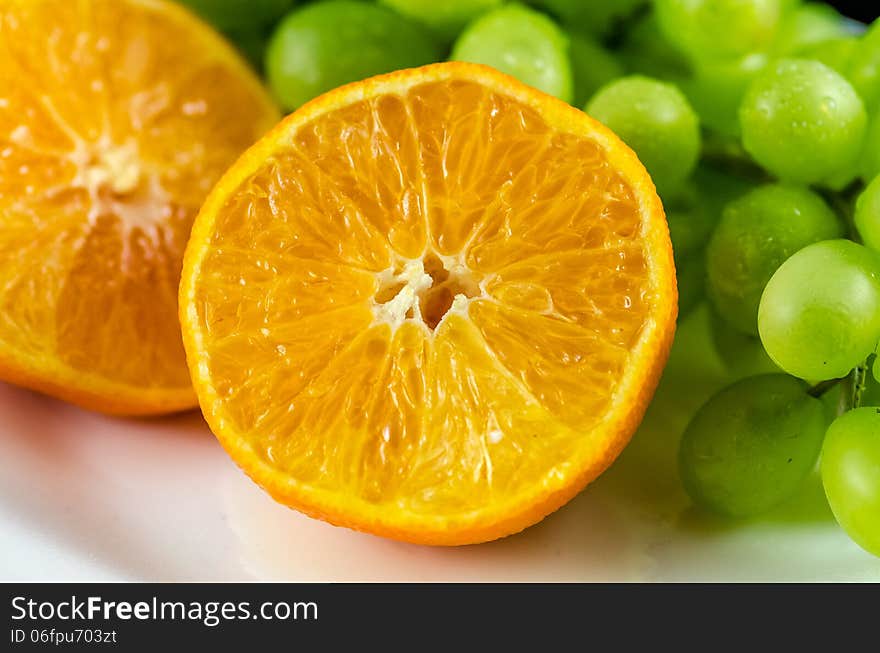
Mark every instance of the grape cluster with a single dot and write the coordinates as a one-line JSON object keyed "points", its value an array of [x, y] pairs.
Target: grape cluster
{"points": [[787, 95], [759, 121]]}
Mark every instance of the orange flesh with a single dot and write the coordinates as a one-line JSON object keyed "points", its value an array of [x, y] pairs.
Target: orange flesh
{"points": [[116, 119], [417, 311]]}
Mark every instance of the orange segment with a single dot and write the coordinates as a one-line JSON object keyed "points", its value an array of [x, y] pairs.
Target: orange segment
{"points": [[116, 119], [432, 305]]}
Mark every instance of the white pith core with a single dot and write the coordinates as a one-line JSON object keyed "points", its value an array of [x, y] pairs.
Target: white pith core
{"points": [[115, 177], [119, 184], [425, 290]]}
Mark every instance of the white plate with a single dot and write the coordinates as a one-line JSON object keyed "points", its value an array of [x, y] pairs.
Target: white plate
{"points": [[87, 497]]}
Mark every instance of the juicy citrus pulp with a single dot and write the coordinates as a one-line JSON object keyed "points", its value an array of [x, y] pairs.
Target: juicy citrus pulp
{"points": [[432, 305], [116, 118]]}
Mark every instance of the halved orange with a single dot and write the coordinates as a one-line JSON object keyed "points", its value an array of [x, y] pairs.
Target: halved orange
{"points": [[116, 119], [432, 305]]}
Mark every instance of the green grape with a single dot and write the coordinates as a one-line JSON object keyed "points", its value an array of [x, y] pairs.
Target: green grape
{"points": [[690, 272], [325, 45], [719, 28], [856, 57], [447, 17], [750, 447], [239, 15], [757, 233], [742, 355], [656, 121], [807, 25], [851, 475], [820, 313], [867, 215], [835, 53], [522, 43], [870, 160], [593, 16], [802, 121], [717, 87], [864, 67], [646, 51], [592, 67]]}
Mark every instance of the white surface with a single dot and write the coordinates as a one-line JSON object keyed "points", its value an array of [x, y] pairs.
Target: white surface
{"points": [[87, 497]]}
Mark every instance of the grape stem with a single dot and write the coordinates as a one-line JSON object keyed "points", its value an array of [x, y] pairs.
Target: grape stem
{"points": [[859, 383], [852, 388], [824, 386]]}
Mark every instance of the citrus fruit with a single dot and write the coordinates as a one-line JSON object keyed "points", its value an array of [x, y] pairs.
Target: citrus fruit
{"points": [[432, 305], [116, 118]]}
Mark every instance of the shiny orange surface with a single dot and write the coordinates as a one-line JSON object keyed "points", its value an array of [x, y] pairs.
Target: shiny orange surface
{"points": [[431, 305], [116, 118]]}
